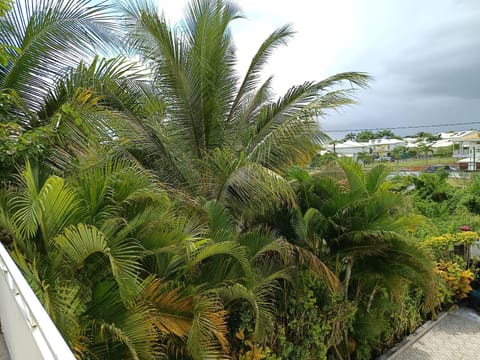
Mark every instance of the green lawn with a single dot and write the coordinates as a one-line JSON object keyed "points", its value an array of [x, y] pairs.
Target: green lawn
{"points": [[416, 164]]}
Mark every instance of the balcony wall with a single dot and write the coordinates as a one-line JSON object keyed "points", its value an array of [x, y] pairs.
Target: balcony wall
{"points": [[28, 330]]}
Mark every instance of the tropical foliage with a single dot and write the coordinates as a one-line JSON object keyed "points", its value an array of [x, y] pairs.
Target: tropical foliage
{"points": [[157, 203], [361, 229]]}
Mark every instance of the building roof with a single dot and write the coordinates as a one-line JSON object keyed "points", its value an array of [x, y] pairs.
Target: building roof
{"points": [[385, 141], [456, 134], [442, 143], [351, 144], [469, 136]]}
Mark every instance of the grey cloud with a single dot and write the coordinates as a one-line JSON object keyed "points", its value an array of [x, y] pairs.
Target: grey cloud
{"points": [[445, 63], [431, 76]]}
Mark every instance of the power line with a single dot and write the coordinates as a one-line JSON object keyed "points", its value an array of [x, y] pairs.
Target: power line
{"points": [[401, 127]]}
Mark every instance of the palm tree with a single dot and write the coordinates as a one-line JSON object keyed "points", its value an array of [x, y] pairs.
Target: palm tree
{"points": [[4, 7], [123, 270], [357, 223], [359, 219], [45, 39], [242, 268], [42, 41], [217, 135], [425, 149], [268, 263], [83, 244], [364, 157]]}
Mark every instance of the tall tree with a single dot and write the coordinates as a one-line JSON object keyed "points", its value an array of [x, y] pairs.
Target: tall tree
{"points": [[223, 137], [49, 37], [350, 136], [386, 133], [365, 135], [85, 246], [425, 149], [42, 41]]}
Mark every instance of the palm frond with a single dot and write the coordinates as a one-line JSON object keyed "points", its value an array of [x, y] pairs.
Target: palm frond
{"points": [[66, 303], [294, 114], [81, 241], [354, 173], [375, 178], [254, 184], [317, 267], [51, 37], [132, 330], [263, 243], [227, 248], [172, 313], [207, 336], [278, 38], [221, 224], [260, 300], [48, 206]]}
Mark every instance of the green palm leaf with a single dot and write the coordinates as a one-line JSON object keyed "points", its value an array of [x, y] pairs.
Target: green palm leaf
{"points": [[278, 38], [227, 248], [80, 242], [51, 36], [375, 178], [254, 184], [207, 336], [48, 207]]}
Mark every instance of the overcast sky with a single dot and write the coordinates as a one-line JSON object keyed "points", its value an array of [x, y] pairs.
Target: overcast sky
{"points": [[424, 56]]}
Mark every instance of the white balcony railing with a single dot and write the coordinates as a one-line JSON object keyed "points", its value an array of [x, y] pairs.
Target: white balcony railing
{"points": [[28, 330]]}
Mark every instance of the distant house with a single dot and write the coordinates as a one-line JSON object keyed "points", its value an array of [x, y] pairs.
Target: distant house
{"points": [[384, 146], [456, 134], [349, 148], [467, 145], [451, 140], [441, 144], [380, 147], [411, 142], [464, 144]]}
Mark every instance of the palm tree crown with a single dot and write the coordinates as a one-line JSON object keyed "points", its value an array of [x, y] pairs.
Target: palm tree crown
{"points": [[221, 133]]}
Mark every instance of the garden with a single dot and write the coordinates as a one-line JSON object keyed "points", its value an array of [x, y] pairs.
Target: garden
{"points": [[162, 205]]}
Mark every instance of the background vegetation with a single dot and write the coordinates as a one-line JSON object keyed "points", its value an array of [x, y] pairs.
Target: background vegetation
{"points": [[160, 208]]}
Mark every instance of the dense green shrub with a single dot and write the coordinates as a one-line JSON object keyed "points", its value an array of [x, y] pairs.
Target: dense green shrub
{"points": [[383, 319], [313, 323], [17, 145], [433, 187]]}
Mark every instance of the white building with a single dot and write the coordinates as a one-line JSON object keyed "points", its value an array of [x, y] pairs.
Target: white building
{"points": [[376, 146], [349, 148], [442, 144], [383, 146], [467, 145]]}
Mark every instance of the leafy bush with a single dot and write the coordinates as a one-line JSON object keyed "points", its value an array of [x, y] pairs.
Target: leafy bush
{"points": [[313, 323], [17, 145], [386, 319], [450, 267], [443, 246], [444, 152], [457, 278], [433, 187], [470, 197]]}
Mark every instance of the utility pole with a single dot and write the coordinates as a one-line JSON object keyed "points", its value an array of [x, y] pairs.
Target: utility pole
{"points": [[474, 160]]}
